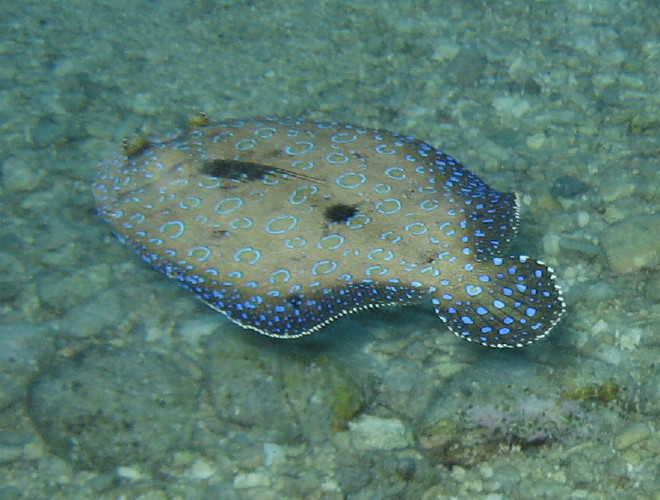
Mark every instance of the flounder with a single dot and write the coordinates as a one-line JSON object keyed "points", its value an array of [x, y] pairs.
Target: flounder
{"points": [[284, 225]]}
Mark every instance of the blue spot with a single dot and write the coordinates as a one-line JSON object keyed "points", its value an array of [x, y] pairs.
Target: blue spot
{"points": [[467, 320], [507, 291], [508, 320], [504, 330], [530, 311], [481, 310], [498, 304]]}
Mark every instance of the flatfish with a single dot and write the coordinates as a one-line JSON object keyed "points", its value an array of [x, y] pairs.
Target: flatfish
{"points": [[284, 225]]}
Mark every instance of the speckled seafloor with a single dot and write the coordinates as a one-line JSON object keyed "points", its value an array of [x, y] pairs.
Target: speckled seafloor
{"points": [[114, 382]]}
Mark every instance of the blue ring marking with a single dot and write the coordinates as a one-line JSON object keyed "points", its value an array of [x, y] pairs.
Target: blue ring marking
{"points": [[245, 144], [155, 241], [164, 197], [213, 183], [303, 165], [324, 267], [292, 223], [468, 267], [343, 138], [396, 173], [432, 270], [301, 194], [341, 181], [376, 271], [473, 290], [383, 149], [241, 223], [213, 272], [181, 228], [390, 201], [358, 221], [498, 304], [193, 202], [382, 188], [416, 228], [138, 218], [295, 242], [337, 158], [326, 242], [272, 181], [280, 276], [374, 254], [228, 205], [248, 255], [257, 196], [205, 251], [428, 205], [222, 137], [265, 132], [303, 147], [391, 237]]}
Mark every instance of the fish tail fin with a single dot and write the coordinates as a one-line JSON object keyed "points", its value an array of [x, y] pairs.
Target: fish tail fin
{"points": [[501, 302]]}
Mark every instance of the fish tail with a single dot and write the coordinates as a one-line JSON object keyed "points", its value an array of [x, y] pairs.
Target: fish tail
{"points": [[501, 302]]}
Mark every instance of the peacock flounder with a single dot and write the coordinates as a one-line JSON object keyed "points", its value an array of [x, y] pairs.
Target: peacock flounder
{"points": [[285, 225]]}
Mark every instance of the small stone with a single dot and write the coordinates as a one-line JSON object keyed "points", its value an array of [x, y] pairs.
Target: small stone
{"points": [[18, 175], [510, 106], [251, 480], [536, 141], [630, 435], [568, 187], [376, 433], [632, 245], [48, 132], [200, 469]]}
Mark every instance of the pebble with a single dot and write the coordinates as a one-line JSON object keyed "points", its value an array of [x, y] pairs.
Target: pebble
{"points": [[630, 435], [375, 433], [251, 480], [632, 244], [23, 346], [18, 175], [510, 106]]}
